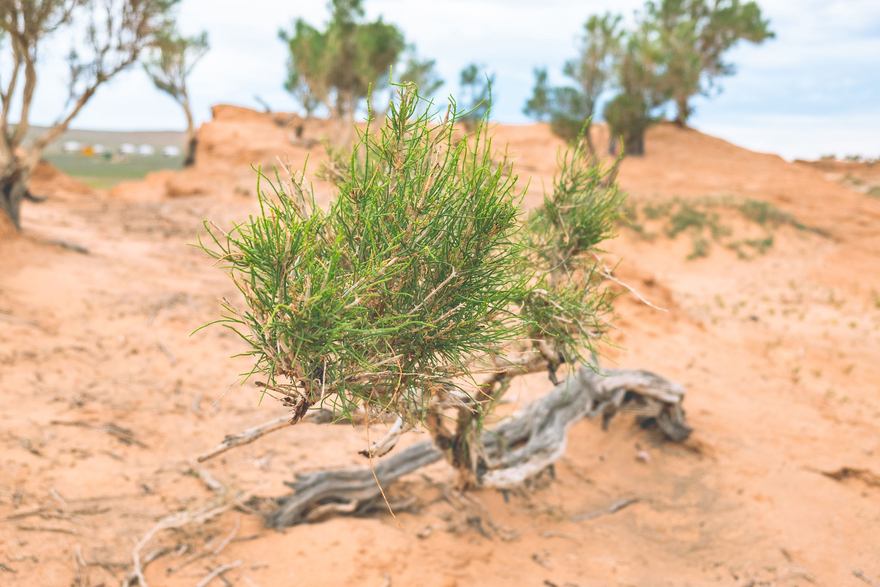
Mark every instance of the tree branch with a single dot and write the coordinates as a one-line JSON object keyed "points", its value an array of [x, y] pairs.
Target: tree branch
{"points": [[250, 435], [539, 432]]}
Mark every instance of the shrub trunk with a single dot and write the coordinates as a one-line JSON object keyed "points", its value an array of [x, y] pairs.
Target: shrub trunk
{"points": [[13, 190]]}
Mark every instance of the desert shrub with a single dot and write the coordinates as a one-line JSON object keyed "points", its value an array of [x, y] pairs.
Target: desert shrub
{"points": [[765, 213], [701, 248], [422, 275]]}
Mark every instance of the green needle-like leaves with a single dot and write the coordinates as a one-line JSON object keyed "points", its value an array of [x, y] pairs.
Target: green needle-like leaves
{"points": [[421, 271]]}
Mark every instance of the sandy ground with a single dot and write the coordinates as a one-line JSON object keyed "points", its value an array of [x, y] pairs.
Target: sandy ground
{"points": [[106, 396]]}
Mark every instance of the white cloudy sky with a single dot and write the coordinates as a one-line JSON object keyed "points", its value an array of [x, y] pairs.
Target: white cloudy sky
{"points": [[815, 89]]}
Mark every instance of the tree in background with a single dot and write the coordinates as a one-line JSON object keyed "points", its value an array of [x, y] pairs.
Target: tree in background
{"points": [[538, 106], [476, 90], [117, 32], [571, 108], [422, 73], [642, 89], [674, 52], [306, 76], [340, 65], [169, 64], [694, 35]]}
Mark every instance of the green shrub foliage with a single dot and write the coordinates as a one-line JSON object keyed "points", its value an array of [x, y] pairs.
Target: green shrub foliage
{"points": [[422, 271]]}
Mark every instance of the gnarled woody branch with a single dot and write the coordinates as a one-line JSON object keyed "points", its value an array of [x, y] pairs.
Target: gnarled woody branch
{"points": [[517, 448], [505, 370]]}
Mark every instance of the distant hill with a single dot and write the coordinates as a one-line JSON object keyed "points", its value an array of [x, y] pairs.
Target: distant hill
{"points": [[112, 139]]}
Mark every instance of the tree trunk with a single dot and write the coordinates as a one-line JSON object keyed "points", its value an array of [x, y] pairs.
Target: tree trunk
{"points": [[463, 449], [192, 136], [635, 144], [683, 111], [192, 143], [13, 190]]}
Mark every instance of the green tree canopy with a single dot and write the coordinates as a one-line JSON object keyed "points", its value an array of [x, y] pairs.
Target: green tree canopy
{"points": [[421, 72], [108, 38], [538, 106], [674, 52], [476, 92], [694, 35], [570, 108], [642, 90], [338, 66]]}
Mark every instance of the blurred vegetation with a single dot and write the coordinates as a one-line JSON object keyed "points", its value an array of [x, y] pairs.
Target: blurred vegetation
{"points": [[476, 90], [569, 108], [674, 51], [100, 173], [339, 66], [168, 63], [707, 220]]}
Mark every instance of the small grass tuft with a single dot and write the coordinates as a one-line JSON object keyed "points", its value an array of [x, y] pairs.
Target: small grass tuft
{"points": [[703, 219]]}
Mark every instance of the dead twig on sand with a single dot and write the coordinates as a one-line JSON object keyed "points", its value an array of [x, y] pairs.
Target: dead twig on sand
{"points": [[176, 520], [57, 497], [560, 534], [123, 435], [613, 508], [82, 568], [191, 558], [229, 538], [48, 529], [196, 405], [26, 513], [207, 478], [168, 353], [218, 571], [69, 246], [246, 437], [14, 320], [131, 578], [53, 512], [865, 578], [316, 416]]}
